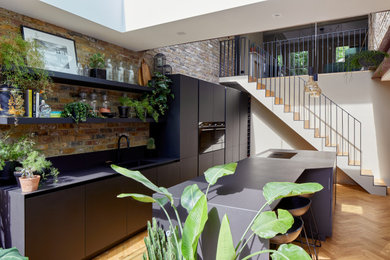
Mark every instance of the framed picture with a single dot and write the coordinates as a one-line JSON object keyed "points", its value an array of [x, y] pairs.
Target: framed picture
{"points": [[59, 53]]}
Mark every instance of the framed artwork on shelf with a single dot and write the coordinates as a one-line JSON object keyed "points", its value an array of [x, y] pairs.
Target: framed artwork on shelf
{"points": [[59, 53]]}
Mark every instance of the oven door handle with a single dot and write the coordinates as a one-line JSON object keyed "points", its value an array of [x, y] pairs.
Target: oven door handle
{"points": [[206, 129]]}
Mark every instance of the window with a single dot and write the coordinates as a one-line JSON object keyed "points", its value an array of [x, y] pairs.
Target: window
{"points": [[340, 53]]}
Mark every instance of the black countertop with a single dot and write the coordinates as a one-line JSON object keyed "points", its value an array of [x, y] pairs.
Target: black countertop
{"points": [[244, 189], [71, 178]]}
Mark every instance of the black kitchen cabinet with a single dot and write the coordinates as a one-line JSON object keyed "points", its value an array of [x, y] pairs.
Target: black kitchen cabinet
{"points": [[211, 102], [244, 100], [218, 157], [168, 175], [188, 117], [54, 225], [138, 213], [206, 99], [188, 168], [106, 216], [205, 162]]}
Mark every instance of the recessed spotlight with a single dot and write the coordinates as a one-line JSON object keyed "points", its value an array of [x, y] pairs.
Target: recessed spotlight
{"points": [[180, 33], [276, 15]]}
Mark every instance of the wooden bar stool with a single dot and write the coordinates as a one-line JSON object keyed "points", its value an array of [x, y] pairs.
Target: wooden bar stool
{"points": [[298, 206]]}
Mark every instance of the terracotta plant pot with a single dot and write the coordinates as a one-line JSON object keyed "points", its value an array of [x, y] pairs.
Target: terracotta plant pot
{"points": [[29, 184]]}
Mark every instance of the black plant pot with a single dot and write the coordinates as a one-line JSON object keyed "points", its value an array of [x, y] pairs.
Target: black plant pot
{"points": [[7, 174], [16, 176], [123, 111], [98, 73]]}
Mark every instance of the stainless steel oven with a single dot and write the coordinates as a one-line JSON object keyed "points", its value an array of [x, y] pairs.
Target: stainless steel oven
{"points": [[211, 136]]}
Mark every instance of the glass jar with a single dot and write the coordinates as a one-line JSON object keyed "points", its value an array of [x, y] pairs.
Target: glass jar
{"points": [[130, 75], [94, 105], [105, 105], [83, 97], [109, 70], [120, 72]]}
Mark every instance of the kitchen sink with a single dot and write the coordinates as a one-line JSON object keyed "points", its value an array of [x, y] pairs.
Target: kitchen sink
{"points": [[277, 155]]}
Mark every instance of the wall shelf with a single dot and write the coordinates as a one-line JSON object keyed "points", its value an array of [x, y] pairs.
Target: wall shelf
{"points": [[29, 120], [73, 79]]}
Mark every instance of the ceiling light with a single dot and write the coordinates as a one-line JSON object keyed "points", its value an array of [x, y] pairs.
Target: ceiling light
{"points": [[181, 33], [276, 15]]}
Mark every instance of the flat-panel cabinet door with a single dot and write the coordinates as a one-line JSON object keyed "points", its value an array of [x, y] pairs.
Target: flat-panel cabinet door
{"points": [[138, 213], [206, 99], [188, 168], [228, 154], [188, 117], [243, 118], [218, 103], [218, 157], [168, 175], [105, 214], [243, 151], [205, 162], [55, 225]]}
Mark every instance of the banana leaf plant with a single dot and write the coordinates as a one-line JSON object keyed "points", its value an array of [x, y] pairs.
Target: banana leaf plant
{"points": [[181, 241]]}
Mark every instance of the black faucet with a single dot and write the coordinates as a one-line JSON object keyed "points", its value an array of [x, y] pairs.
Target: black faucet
{"points": [[119, 146]]}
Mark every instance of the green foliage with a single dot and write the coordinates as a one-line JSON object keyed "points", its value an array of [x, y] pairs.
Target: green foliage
{"points": [[190, 196], [290, 251], [35, 162], [277, 190], [97, 61], [78, 111], [158, 245], [14, 150], [22, 65], [213, 174], [11, 254], [267, 224], [225, 247], [193, 228], [370, 58], [150, 145], [161, 93]]}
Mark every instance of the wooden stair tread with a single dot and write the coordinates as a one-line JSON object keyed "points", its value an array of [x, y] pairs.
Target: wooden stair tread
{"points": [[379, 182], [367, 172]]}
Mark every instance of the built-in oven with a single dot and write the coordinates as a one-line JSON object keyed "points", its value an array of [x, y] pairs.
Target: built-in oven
{"points": [[211, 136]]}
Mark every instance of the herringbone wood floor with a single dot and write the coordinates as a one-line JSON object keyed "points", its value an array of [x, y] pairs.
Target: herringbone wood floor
{"points": [[361, 230]]}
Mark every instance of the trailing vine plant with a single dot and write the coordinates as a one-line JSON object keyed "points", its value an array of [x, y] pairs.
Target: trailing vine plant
{"points": [[78, 111]]}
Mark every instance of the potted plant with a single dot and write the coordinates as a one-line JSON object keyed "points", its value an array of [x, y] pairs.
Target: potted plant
{"points": [[78, 111], [183, 240], [33, 167], [125, 104], [369, 59], [97, 65], [21, 69], [11, 151]]}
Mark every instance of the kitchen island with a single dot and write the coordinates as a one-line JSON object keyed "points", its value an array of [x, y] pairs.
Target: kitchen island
{"points": [[240, 195]]}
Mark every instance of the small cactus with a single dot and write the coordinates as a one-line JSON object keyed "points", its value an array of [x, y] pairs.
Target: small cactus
{"points": [[150, 145], [159, 245]]}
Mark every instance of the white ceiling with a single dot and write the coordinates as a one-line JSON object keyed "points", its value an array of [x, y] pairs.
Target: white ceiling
{"points": [[165, 23]]}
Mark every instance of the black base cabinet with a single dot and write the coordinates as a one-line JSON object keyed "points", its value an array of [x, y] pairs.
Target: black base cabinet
{"points": [[54, 225]]}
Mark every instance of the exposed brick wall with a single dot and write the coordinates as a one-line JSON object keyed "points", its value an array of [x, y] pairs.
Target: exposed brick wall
{"points": [[63, 139], [196, 59], [379, 23]]}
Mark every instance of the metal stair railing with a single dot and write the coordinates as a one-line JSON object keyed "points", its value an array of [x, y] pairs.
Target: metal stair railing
{"points": [[328, 119]]}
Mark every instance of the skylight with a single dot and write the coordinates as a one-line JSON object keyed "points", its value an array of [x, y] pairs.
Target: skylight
{"points": [[130, 15]]}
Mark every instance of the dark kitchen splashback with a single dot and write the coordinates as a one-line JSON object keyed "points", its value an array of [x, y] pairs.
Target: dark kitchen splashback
{"points": [[76, 162]]}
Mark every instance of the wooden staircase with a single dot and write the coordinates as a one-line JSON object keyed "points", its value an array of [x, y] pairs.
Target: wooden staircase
{"points": [[275, 94]]}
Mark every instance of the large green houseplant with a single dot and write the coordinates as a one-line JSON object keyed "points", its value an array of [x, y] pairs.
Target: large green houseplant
{"points": [[161, 93], [183, 242], [369, 59], [22, 67]]}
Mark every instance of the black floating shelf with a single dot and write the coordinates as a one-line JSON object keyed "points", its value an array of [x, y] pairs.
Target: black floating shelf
{"points": [[29, 120], [73, 79]]}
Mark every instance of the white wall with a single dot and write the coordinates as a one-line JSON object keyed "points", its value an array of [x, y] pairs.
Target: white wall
{"points": [[366, 99]]}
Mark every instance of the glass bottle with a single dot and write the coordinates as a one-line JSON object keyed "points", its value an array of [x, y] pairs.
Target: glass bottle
{"points": [[130, 75], [80, 69], [120, 72], [86, 70], [109, 70], [94, 103], [83, 97], [44, 109]]}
